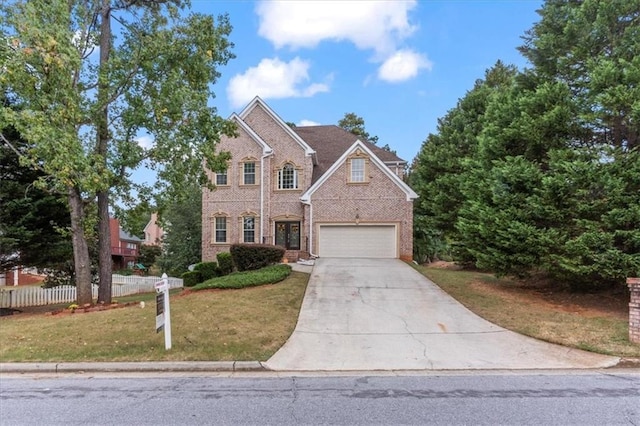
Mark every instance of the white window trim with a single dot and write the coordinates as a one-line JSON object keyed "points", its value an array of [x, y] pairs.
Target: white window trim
{"points": [[256, 173], [215, 229], [213, 220], [363, 170], [296, 184], [225, 173]]}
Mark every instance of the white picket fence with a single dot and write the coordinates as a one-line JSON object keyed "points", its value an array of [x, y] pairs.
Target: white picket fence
{"points": [[17, 297]]}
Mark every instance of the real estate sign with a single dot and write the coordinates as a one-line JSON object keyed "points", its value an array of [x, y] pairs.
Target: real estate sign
{"points": [[163, 315]]}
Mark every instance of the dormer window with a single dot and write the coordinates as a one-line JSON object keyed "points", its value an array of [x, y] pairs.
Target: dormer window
{"points": [[288, 177]]}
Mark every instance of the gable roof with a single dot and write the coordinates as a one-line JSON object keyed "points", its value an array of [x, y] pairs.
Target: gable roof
{"points": [[276, 118], [411, 195], [330, 142]]}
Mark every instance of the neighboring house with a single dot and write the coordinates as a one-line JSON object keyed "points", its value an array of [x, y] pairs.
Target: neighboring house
{"points": [[153, 233], [125, 248], [316, 191], [20, 276]]}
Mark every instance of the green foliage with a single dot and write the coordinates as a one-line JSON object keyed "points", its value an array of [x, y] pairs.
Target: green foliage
{"points": [[207, 270], [592, 46], [255, 256], [540, 170], [149, 254], [428, 242], [83, 117], [267, 275], [353, 123], [182, 242], [191, 278], [443, 167], [34, 223], [225, 263], [58, 277]]}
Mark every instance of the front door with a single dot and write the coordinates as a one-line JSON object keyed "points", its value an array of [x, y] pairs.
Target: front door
{"points": [[288, 235]]}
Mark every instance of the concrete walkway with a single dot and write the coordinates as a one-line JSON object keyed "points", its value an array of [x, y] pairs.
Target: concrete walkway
{"points": [[381, 314]]}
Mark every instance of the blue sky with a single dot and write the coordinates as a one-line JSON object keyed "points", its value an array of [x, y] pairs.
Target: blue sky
{"points": [[400, 65]]}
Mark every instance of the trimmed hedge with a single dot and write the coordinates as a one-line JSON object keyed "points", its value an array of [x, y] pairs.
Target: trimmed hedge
{"points": [[248, 257], [269, 275], [207, 270], [191, 278], [225, 263]]}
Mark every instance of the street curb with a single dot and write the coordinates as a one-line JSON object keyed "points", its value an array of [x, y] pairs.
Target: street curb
{"points": [[129, 367]]}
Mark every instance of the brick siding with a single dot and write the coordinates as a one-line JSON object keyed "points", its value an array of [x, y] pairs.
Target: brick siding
{"points": [[380, 200]]}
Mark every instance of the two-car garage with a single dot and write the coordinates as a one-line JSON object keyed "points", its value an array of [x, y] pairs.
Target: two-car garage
{"points": [[363, 240]]}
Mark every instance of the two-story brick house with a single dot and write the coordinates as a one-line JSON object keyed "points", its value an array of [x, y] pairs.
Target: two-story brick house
{"points": [[317, 191]]}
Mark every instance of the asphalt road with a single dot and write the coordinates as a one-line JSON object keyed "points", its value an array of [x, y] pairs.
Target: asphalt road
{"points": [[603, 397]]}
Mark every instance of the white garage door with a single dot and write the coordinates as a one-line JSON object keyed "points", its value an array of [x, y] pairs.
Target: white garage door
{"points": [[378, 241]]}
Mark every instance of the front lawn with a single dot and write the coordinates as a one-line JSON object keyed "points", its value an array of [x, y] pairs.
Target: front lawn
{"points": [[593, 322], [211, 325]]}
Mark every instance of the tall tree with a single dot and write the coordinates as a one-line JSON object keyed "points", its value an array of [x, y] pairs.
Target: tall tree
{"points": [[182, 243], [593, 46], [443, 165], [33, 222], [353, 123], [543, 173], [84, 114]]}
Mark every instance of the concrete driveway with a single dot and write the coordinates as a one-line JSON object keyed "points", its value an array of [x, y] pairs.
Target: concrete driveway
{"points": [[381, 314]]}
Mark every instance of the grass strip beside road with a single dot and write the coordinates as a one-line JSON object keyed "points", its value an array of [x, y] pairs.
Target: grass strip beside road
{"points": [[213, 325], [496, 300]]}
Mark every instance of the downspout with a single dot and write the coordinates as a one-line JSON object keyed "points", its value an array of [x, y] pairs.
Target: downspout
{"points": [[265, 155], [308, 203]]}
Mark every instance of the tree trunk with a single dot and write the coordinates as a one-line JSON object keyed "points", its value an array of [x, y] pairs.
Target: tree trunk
{"points": [[82, 262], [104, 233], [104, 249]]}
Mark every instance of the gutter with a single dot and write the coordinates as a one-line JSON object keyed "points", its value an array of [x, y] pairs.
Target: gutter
{"points": [[264, 156], [308, 203]]}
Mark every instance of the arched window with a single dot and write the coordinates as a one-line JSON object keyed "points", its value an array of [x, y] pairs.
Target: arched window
{"points": [[288, 177]]}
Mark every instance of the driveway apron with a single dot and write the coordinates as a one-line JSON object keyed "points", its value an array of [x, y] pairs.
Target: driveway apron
{"points": [[381, 314]]}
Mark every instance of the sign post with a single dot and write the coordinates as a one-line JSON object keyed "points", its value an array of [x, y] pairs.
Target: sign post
{"points": [[163, 312]]}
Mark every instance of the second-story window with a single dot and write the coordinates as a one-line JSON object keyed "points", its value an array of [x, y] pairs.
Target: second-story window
{"points": [[249, 173], [221, 178], [288, 177]]}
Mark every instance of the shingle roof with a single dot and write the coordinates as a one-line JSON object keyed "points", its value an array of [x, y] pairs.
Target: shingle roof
{"points": [[125, 236], [331, 141]]}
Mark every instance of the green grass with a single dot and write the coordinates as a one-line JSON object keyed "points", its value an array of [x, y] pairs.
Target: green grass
{"points": [[269, 275], [235, 325], [489, 297]]}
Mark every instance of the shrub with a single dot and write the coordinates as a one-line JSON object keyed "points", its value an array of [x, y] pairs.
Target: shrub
{"points": [[269, 275], [248, 257], [207, 270], [225, 263], [191, 278]]}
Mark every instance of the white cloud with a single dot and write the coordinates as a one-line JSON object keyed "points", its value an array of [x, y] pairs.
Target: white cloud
{"points": [[403, 65], [145, 142], [273, 79], [377, 25], [304, 123]]}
